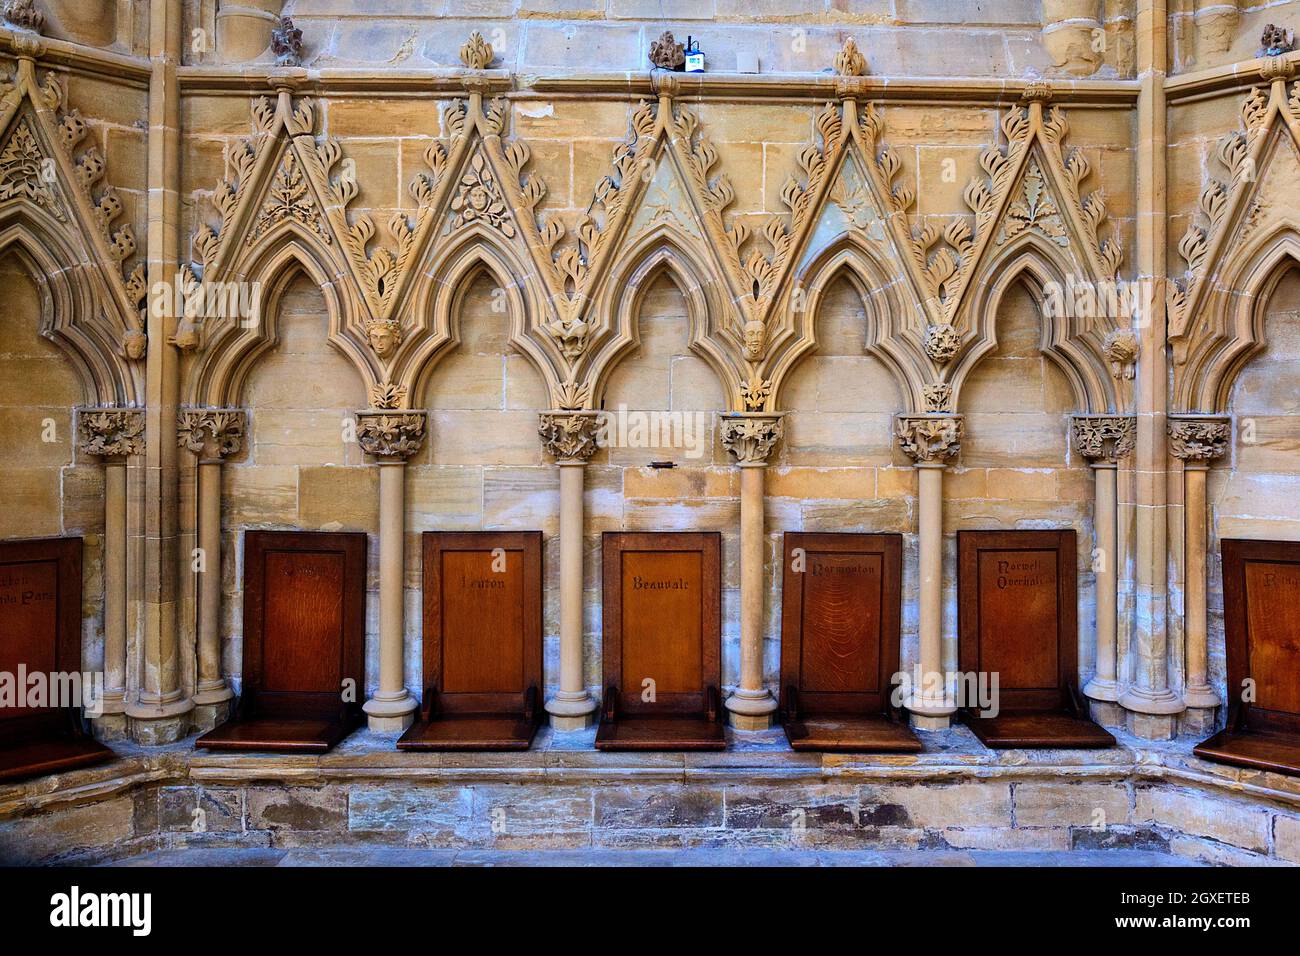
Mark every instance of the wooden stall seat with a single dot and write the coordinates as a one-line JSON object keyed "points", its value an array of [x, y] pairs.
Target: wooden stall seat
{"points": [[662, 641], [1261, 617], [482, 642], [1017, 601], [304, 643], [40, 632], [840, 632]]}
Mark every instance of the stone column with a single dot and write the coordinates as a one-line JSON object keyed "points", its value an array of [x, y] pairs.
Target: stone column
{"points": [[1197, 440], [113, 435], [930, 440], [750, 437], [391, 436], [570, 436], [212, 435], [1103, 440]]}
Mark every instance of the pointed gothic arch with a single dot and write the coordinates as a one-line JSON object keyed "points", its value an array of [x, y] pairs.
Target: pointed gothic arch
{"points": [[655, 256], [58, 216], [435, 305], [1246, 238], [884, 314], [1072, 343]]}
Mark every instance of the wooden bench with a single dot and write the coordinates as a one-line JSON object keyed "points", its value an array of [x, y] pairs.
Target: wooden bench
{"points": [[1017, 617], [841, 624], [304, 643], [40, 633], [662, 641], [1261, 617], [482, 642]]}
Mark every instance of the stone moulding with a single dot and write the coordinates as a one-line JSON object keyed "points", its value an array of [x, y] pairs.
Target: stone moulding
{"points": [[1154, 797]]}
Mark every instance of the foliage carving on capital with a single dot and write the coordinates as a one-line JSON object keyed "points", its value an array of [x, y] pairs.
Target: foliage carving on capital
{"points": [[751, 438], [111, 432], [569, 436], [1199, 439], [1104, 438], [942, 342], [211, 433], [929, 439], [937, 396], [390, 435]]}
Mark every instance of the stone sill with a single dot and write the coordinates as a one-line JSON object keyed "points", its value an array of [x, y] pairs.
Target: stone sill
{"points": [[754, 758]]}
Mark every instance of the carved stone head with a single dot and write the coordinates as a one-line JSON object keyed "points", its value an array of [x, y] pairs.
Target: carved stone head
{"points": [[135, 343], [1277, 40], [755, 337], [385, 337]]}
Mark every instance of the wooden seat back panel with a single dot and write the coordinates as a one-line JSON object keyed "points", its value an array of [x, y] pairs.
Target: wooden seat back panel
{"points": [[40, 633], [482, 620], [1261, 605], [662, 620], [841, 620], [1017, 614], [304, 620]]}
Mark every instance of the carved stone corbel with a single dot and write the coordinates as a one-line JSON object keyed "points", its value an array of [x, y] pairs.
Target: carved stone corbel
{"points": [[569, 436], [390, 435], [211, 433], [1103, 438], [751, 437]]}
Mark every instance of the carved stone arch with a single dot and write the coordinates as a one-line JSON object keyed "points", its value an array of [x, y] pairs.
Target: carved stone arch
{"points": [[656, 255], [282, 194], [71, 304], [1233, 331], [233, 347], [57, 207], [885, 319], [434, 326], [1071, 343]]}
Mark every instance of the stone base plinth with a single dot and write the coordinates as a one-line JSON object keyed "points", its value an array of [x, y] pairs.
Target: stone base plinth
{"points": [[1197, 721], [207, 716], [922, 722], [111, 727], [158, 731], [1107, 713], [567, 725], [389, 725], [1153, 726], [750, 721], [561, 794]]}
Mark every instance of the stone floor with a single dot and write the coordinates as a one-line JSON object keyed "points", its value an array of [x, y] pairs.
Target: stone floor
{"points": [[262, 856]]}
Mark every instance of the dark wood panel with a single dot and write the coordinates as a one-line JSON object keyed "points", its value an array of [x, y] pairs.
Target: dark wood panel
{"points": [[1261, 615], [1273, 633], [303, 626], [662, 601], [304, 642], [40, 631], [662, 619], [482, 641], [1017, 599]]}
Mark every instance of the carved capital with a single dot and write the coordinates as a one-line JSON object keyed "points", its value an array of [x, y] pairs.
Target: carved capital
{"points": [[929, 439], [390, 435], [1199, 439], [751, 438], [569, 436], [1103, 438], [211, 433], [110, 432], [937, 397]]}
